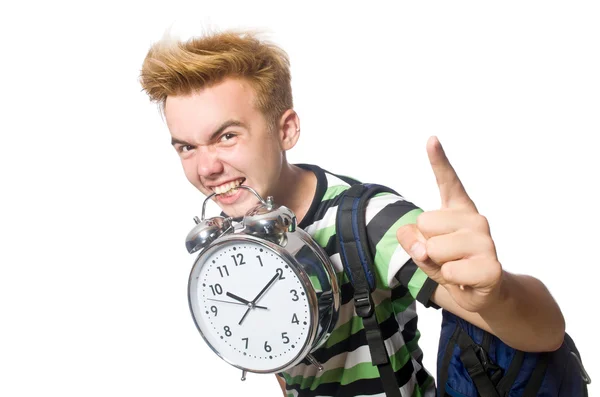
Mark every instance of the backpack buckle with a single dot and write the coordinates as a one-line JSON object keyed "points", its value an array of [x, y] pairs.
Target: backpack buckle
{"points": [[493, 370], [584, 375], [482, 355], [363, 303]]}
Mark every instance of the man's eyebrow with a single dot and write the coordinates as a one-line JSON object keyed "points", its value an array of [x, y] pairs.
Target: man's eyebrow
{"points": [[175, 141], [215, 134]]}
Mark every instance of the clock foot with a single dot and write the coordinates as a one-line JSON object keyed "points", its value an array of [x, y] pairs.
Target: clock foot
{"points": [[244, 375], [314, 362]]}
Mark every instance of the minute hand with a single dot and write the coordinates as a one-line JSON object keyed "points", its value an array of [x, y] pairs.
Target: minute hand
{"points": [[261, 293]]}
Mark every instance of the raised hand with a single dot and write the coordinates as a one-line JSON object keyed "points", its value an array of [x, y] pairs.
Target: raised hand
{"points": [[453, 245]]}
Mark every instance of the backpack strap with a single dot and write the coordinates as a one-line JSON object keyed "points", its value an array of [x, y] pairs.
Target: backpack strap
{"points": [[484, 374], [533, 386], [512, 372], [356, 256], [445, 363], [475, 360]]}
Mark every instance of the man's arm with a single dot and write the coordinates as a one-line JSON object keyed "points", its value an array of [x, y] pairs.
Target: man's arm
{"points": [[525, 315], [453, 246], [281, 384]]}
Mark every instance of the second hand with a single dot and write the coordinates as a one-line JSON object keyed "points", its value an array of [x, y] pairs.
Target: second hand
{"points": [[235, 303]]}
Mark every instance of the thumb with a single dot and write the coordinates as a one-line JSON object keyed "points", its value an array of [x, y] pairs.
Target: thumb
{"points": [[413, 242]]}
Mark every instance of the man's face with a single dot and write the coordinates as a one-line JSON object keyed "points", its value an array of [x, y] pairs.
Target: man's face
{"points": [[224, 141]]}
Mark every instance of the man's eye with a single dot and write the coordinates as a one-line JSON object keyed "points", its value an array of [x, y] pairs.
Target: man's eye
{"points": [[227, 136], [185, 148]]}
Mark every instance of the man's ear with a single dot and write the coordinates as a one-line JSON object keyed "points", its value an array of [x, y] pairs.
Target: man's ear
{"points": [[289, 129]]}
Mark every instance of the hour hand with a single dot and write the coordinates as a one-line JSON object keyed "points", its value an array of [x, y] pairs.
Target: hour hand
{"points": [[237, 298]]}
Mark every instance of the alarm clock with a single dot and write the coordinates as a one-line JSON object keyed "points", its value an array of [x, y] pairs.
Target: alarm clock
{"points": [[262, 293]]}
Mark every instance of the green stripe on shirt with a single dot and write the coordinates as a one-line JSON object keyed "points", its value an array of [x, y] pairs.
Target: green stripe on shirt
{"points": [[344, 376], [387, 246]]}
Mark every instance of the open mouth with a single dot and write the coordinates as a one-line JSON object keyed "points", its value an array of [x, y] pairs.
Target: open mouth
{"points": [[229, 188]]}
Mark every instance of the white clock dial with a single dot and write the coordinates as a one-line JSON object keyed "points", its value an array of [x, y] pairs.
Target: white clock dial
{"points": [[250, 306]]}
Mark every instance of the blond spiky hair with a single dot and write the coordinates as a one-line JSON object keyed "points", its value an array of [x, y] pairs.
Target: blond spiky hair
{"points": [[174, 67]]}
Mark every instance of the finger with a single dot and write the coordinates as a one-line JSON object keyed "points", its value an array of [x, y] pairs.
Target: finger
{"points": [[452, 191], [439, 222], [475, 272], [459, 245], [414, 244]]}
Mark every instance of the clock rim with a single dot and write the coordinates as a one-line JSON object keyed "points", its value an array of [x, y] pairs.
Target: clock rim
{"points": [[304, 279]]}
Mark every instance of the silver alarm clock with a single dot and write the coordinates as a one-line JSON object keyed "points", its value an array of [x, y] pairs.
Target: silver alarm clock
{"points": [[262, 292]]}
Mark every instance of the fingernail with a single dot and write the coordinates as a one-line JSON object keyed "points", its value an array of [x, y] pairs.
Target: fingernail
{"points": [[418, 250]]}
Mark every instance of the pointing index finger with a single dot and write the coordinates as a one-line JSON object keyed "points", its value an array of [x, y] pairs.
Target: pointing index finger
{"points": [[452, 191]]}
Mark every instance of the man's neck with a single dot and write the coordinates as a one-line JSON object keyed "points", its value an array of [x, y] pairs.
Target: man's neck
{"points": [[296, 190]]}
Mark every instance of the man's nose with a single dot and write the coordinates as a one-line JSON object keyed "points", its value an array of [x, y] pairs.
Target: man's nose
{"points": [[208, 162]]}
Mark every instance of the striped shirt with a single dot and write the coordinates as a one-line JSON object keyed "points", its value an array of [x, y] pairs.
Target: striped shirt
{"points": [[345, 357]]}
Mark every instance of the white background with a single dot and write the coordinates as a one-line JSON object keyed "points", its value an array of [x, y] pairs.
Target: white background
{"points": [[95, 207]]}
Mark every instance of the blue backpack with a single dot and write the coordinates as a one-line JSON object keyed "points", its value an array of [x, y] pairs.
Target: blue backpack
{"points": [[471, 362]]}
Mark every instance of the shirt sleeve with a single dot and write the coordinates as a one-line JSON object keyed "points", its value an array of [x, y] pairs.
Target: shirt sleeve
{"points": [[419, 285], [384, 215]]}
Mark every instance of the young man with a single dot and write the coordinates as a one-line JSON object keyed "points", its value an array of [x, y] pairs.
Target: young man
{"points": [[228, 105]]}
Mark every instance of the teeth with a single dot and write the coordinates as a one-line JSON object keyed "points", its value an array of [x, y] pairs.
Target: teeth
{"points": [[226, 187]]}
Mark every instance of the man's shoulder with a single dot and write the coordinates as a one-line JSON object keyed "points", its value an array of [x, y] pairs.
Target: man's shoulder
{"points": [[333, 183], [329, 178]]}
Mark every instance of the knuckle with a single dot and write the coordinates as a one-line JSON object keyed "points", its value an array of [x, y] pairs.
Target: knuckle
{"points": [[432, 246], [482, 224], [426, 221], [485, 243], [447, 271], [422, 220], [498, 270], [494, 272]]}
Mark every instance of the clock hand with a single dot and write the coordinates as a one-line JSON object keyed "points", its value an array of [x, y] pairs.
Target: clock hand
{"points": [[236, 303], [244, 316], [260, 294], [243, 302], [237, 298], [269, 284]]}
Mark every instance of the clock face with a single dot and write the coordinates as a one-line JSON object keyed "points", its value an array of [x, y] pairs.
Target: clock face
{"points": [[250, 305]]}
